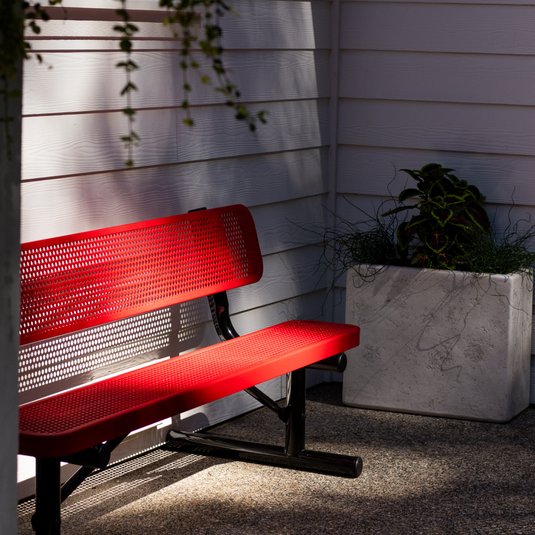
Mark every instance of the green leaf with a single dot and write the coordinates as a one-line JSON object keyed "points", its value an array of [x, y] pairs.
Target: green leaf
{"points": [[480, 217], [420, 258], [413, 174], [408, 193], [398, 209], [442, 215], [437, 243], [128, 87], [430, 167]]}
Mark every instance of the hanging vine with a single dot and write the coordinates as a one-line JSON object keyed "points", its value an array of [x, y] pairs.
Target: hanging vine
{"points": [[127, 30], [188, 14], [199, 21]]}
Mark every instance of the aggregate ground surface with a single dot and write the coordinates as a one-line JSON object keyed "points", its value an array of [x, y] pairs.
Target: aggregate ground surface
{"points": [[422, 475]]}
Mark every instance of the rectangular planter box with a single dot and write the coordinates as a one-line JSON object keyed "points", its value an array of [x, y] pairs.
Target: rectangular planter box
{"points": [[442, 343]]}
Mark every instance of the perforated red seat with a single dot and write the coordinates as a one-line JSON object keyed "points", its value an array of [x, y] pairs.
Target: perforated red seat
{"points": [[75, 420]]}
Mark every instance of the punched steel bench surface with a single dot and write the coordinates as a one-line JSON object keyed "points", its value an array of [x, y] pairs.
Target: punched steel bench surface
{"points": [[90, 279]]}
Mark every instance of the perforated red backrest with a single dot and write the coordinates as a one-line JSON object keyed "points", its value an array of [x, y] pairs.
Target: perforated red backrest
{"points": [[83, 280]]}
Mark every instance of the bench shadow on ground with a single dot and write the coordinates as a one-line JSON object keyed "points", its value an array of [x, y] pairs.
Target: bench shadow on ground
{"points": [[421, 475]]}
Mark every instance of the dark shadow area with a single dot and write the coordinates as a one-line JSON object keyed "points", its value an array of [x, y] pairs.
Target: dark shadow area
{"points": [[421, 475]]}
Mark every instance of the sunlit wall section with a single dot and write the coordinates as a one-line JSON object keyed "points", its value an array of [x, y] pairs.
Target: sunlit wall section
{"points": [[74, 178]]}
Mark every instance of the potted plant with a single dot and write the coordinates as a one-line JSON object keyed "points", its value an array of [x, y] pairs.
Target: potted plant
{"points": [[444, 306]]}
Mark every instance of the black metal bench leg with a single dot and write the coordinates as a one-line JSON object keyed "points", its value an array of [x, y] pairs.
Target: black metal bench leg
{"points": [[50, 493], [47, 517], [295, 403]]}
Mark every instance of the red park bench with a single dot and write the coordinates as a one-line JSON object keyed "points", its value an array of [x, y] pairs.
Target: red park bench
{"points": [[89, 279]]}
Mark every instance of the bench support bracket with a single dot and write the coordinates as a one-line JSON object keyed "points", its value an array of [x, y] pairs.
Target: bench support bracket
{"points": [[292, 455]]}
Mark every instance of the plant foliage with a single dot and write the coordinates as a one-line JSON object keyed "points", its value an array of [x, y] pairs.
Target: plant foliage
{"points": [[199, 21], [440, 224], [449, 215]]}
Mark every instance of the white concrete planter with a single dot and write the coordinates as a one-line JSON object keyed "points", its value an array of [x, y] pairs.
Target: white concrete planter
{"points": [[439, 342]]}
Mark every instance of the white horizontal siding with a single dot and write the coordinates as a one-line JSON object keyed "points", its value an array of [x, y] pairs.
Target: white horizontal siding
{"points": [[278, 24], [438, 77], [73, 160], [411, 94], [448, 82], [502, 176], [84, 82], [489, 27], [438, 126], [463, 2], [282, 279], [62, 145], [97, 200]]}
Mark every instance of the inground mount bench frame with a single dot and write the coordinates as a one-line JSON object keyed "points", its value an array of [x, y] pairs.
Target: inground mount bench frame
{"points": [[84, 280]]}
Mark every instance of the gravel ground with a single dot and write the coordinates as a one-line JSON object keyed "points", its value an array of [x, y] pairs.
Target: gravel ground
{"points": [[421, 475]]}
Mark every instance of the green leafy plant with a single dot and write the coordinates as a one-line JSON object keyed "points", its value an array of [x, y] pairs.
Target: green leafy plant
{"points": [[439, 224], [450, 214]]}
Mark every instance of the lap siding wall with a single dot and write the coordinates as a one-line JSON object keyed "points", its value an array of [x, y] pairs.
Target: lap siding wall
{"points": [[74, 179], [448, 82]]}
